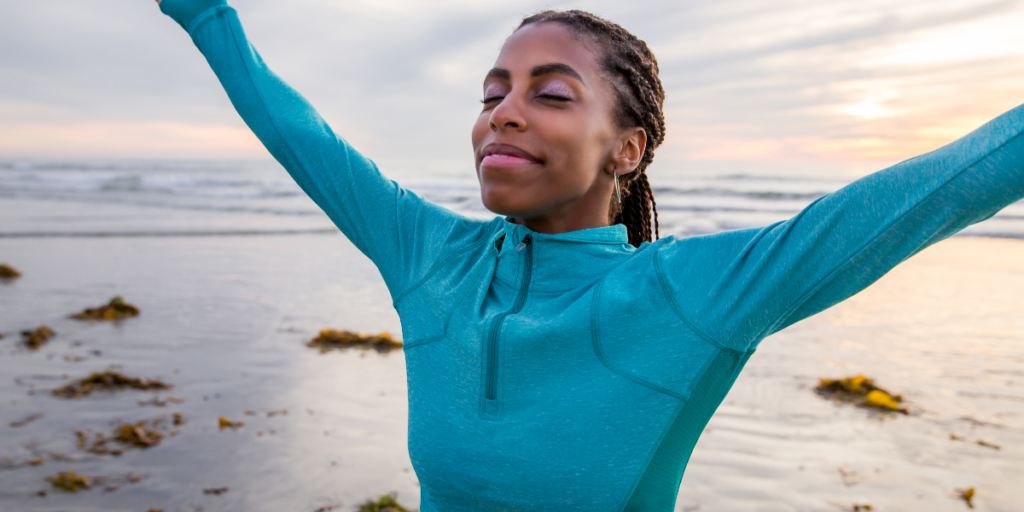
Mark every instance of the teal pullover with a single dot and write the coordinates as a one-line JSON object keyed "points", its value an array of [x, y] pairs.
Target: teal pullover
{"points": [[573, 371]]}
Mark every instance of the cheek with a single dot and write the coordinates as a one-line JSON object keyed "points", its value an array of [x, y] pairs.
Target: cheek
{"points": [[479, 131], [578, 152]]}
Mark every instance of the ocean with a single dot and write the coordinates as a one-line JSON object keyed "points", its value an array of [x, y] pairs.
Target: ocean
{"points": [[234, 269]]}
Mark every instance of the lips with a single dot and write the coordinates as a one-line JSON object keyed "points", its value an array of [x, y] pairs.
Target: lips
{"points": [[506, 155]]}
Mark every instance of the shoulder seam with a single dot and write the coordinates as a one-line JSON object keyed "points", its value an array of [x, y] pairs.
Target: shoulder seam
{"points": [[663, 281], [437, 267], [444, 331]]}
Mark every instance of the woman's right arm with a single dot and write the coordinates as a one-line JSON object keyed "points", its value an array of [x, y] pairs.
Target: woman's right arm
{"points": [[400, 232]]}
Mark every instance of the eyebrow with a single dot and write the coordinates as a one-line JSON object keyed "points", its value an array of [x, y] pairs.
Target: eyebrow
{"points": [[541, 70]]}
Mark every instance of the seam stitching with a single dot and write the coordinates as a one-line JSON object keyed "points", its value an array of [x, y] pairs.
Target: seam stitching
{"points": [[663, 281], [595, 336], [437, 267], [204, 16], [650, 456], [444, 331]]}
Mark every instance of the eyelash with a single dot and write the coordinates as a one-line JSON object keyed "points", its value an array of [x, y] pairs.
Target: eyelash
{"points": [[554, 97]]}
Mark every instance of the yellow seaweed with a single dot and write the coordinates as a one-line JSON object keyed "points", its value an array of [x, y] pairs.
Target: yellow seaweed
{"points": [[8, 272], [860, 391], [139, 435], [968, 496], [224, 423], [69, 481]]}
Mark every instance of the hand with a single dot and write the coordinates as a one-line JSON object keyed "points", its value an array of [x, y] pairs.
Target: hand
{"points": [[158, 2]]}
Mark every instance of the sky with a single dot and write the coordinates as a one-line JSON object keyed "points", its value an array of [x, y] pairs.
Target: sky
{"points": [[763, 81]]}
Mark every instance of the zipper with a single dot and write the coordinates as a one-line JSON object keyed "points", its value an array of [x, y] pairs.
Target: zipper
{"points": [[491, 387]]}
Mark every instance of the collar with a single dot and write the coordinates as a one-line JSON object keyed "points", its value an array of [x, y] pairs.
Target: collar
{"points": [[563, 261], [610, 235]]}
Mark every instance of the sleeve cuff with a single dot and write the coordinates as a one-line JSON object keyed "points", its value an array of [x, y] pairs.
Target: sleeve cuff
{"points": [[184, 11]]}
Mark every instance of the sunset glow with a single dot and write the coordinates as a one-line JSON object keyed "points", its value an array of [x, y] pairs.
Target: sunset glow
{"points": [[791, 81]]}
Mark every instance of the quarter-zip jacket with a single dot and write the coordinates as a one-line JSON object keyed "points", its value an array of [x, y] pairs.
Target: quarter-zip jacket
{"points": [[573, 371]]}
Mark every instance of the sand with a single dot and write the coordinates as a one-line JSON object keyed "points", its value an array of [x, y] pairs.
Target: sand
{"points": [[224, 319]]}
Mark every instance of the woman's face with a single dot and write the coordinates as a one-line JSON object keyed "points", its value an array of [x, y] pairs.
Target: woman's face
{"points": [[546, 142]]}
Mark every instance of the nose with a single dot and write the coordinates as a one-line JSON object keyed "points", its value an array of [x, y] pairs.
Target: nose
{"points": [[508, 115]]}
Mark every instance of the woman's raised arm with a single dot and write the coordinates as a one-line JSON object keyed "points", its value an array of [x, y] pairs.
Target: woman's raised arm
{"points": [[402, 233], [741, 286]]}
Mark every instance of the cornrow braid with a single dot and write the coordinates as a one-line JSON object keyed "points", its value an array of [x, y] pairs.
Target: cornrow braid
{"points": [[632, 70]]}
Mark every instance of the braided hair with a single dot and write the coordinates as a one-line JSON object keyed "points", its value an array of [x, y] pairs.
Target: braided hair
{"points": [[632, 70]]}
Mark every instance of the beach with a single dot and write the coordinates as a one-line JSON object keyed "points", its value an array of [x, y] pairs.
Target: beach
{"points": [[234, 270]]}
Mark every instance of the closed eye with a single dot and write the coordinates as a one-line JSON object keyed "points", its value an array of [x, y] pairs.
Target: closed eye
{"points": [[491, 98], [554, 97]]}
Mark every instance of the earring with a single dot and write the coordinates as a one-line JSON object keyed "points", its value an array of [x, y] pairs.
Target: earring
{"points": [[618, 195]]}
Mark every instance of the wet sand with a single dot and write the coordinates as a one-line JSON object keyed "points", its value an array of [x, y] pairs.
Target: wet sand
{"points": [[224, 319]]}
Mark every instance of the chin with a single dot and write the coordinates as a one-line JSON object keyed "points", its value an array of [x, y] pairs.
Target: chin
{"points": [[506, 204]]}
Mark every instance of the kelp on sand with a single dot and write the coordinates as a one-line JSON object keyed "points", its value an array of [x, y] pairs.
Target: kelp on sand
{"points": [[862, 392], [330, 339], [8, 272], [116, 309], [69, 481], [37, 337], [108, 381], [385, 503]]}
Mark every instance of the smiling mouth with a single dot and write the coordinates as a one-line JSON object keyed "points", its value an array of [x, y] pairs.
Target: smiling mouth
{"points": [[504, 155], [505, 161]]}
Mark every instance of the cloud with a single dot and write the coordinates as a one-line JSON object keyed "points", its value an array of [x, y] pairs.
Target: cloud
{"points": [[788, 80]]}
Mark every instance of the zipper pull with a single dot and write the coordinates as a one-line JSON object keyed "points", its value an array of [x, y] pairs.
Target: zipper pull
{"points": [[522, 245]]}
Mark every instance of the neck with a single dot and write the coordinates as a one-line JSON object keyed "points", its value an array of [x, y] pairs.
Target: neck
{"points": [[591, 210], [568, 218]]}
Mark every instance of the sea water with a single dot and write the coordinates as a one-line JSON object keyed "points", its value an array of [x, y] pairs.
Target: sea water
{"points": [[234, 269]]}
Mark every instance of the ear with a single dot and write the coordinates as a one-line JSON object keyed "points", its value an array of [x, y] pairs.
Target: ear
{"points": [[629, 150]]}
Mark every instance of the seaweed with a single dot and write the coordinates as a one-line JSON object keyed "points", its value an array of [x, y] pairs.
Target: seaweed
{"points": [[328, 508], [109, 381], [27, 420], [385, 503], [36, 338], [139, 435], [968, 496], [224, 423], [69, 481], [862, 392], [8, 272], [216, 491], [979, 442], [116, 309], [136, 435], [330, 339], [158, 402]]}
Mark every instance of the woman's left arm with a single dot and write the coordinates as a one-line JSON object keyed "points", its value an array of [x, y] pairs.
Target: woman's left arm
{"points": [[739, 287]]}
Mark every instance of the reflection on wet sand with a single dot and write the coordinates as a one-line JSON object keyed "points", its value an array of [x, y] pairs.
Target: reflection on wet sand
{"points": [[328, 433]]}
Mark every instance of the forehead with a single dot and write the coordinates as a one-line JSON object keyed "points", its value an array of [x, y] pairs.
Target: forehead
{"points": [[546, 43]]}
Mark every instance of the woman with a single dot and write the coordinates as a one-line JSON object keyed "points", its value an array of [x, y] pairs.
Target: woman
{"points": [[559, 358]]}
